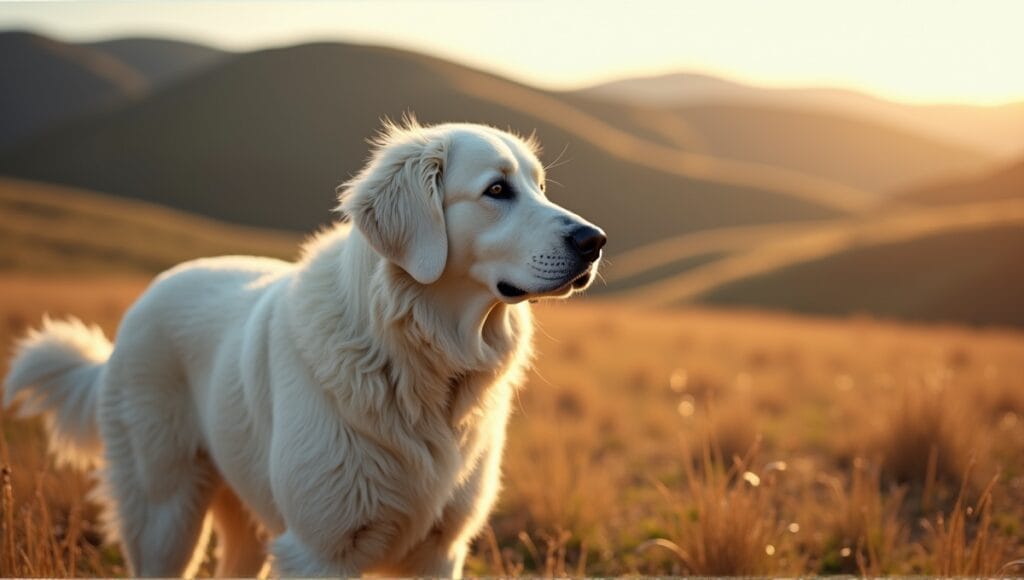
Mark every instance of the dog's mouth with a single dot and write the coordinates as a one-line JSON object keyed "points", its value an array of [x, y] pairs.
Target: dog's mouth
{"points": [[509, 291], [578, 282], [582, 280]]}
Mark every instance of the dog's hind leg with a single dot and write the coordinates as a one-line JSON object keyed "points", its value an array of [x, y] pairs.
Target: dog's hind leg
{"points": [[241, 551], [161, 536], [161, 494]]}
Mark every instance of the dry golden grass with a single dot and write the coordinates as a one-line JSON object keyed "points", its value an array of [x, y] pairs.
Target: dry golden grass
{"points": [[676, 442], [726, 523], [48, 528]]}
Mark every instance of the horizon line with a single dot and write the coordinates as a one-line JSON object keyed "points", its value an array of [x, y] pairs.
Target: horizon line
{"points": [[534, 82]]}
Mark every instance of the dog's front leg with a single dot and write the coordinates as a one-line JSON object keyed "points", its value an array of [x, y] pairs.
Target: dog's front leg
{"points": [[357, 551], [330, 485], [349, 554], [438, 555], [294, 558], [443, 552]]}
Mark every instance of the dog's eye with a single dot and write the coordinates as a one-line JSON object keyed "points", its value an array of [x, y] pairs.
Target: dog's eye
{"points": [[499, 190], [543, 186]]}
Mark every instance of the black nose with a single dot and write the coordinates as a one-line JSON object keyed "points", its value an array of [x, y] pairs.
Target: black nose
{"points": [[588, 241]]}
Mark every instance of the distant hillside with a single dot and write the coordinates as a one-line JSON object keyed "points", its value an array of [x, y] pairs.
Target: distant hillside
{"points": [[1004, 183], [993, 130], [971, 276], [161, 60], [862, 153], [936, 263], [59, 230], [264, 139], [663, 265], [46, 81]]}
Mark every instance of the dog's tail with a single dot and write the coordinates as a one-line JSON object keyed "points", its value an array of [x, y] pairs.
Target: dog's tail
{"points": [[56, 372]]}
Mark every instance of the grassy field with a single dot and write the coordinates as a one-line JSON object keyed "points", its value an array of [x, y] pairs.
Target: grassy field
{"points": [[682, 442]]}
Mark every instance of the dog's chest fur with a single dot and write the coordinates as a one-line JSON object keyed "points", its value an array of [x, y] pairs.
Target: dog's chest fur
{"points": [[419, 398], [441, 450]]}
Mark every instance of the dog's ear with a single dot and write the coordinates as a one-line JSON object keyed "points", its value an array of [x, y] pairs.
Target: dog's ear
{"points": [[397, 202]]}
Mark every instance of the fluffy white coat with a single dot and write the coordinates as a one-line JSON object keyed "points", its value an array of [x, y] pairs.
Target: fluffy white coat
{"points": [[348, 411]]}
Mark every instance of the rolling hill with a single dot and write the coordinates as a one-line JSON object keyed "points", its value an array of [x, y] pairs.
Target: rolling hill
{"points": [[868, 155], [161, 60], [949, 252], [955, 263], [1004, 183], [782, 148], [997, 130], [46, 81], [969, 276], [264, 138], [48, 229]]}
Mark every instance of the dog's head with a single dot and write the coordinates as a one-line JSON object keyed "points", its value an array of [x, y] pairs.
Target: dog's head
{"points": [[460, 201]]}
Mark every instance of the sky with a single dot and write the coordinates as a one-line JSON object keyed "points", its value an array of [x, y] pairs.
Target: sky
{"points": [[909, 50]]}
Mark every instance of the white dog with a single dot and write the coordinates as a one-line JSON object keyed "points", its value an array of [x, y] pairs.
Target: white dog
{"points": [[353, 403]]}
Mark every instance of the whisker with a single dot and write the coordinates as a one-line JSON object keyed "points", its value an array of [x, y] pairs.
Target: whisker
{"points": [[558, 159]]}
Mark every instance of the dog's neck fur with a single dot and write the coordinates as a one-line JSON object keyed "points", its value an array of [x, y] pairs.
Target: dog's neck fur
{"points": [[435, 338]]}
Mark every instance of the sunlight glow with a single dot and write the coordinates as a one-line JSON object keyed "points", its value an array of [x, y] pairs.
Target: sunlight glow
{"points": [[911, 50]]}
